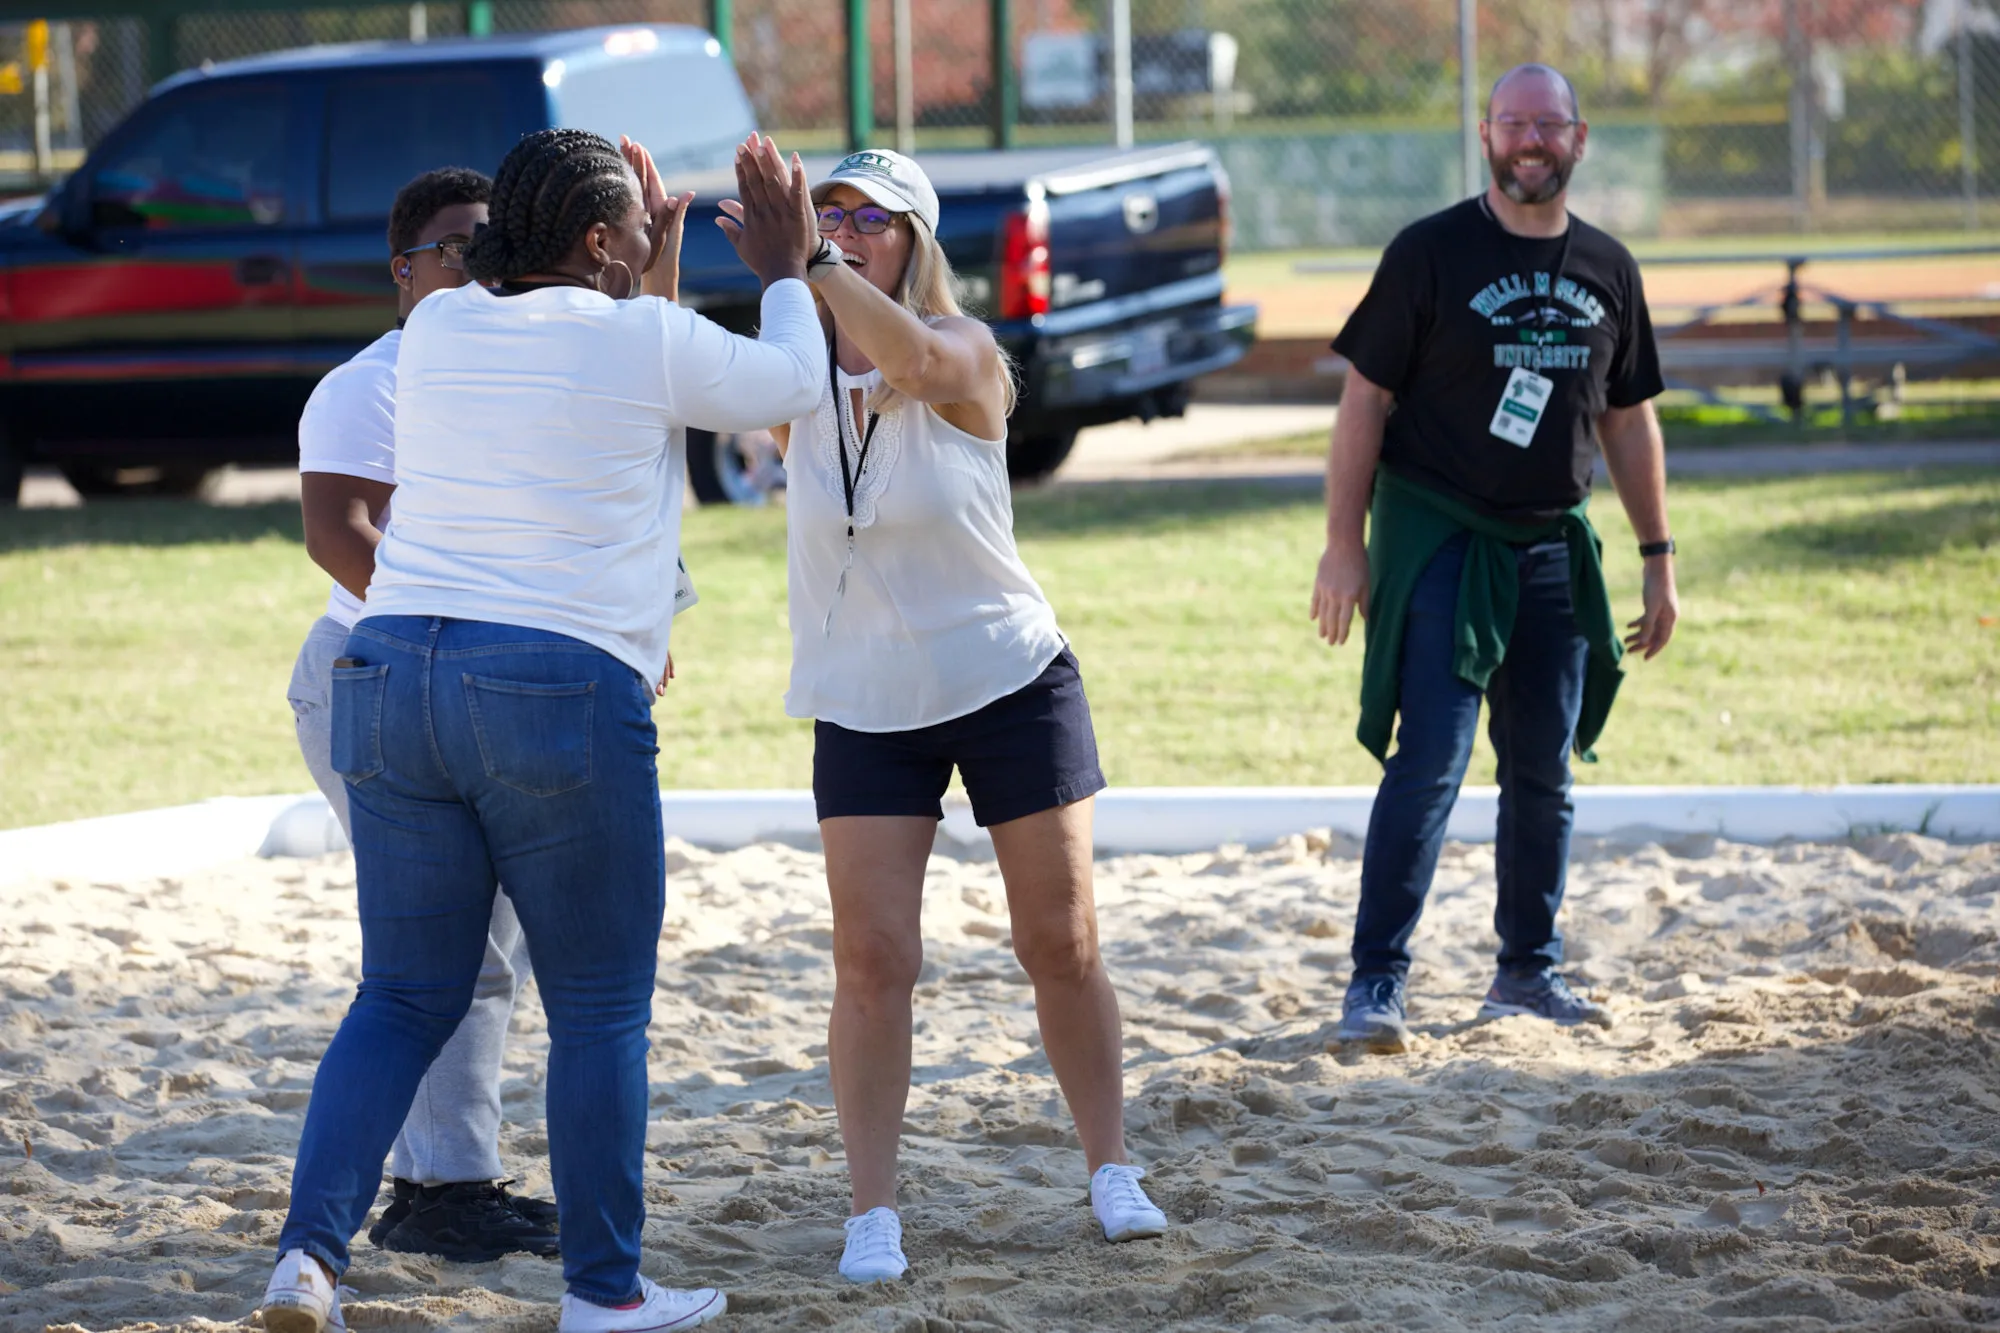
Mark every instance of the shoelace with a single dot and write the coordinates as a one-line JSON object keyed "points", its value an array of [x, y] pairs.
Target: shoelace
{"points": [[874, 1236], [1123, 1192], [1560, 992]]}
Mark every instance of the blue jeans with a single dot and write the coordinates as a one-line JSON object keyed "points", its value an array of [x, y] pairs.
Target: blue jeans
{"points": [[475, 755], [1534, 699]]}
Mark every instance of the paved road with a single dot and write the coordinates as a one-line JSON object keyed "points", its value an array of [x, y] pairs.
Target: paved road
{"points": [[1130, 451], [1745, 461]]}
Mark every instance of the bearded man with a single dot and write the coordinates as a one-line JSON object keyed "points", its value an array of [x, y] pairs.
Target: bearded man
{"points": [[1501, 343]]}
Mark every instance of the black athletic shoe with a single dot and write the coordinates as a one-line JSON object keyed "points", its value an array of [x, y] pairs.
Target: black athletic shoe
{"points": [[472, 1222], [541, 1212], [404, 1192]]}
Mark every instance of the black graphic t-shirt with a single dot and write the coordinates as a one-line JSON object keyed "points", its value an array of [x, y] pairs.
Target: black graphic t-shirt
{"points": [[1456, 306]]}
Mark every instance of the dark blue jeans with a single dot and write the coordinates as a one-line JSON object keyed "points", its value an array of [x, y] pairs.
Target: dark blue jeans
{"points": [[1534, 699], [478, 754]]}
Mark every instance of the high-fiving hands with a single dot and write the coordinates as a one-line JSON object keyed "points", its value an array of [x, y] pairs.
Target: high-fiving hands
{"points": [[772, 226], [667, 214]]}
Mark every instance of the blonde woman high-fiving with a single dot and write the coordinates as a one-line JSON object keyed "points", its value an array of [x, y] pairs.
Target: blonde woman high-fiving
{"points": [[921, 643]]}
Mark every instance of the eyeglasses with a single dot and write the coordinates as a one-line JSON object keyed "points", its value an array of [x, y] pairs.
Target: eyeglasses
{"points": [[869, 220], [1546, 126], [451, 251]]}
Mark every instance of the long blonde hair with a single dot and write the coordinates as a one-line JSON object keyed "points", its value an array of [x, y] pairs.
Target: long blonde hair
{"points": [[930, 291]]}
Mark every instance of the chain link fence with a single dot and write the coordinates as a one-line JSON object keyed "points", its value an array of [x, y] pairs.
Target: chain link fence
{"points": [[1339, 119]]}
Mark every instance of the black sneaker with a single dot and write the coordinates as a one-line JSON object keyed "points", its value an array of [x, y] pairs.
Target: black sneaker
{"points": [[471, 1222], [541, 1212], [403, 1193]]}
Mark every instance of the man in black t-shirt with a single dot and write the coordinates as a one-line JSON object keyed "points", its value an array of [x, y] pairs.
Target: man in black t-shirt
{"points": [[1502, 342]]}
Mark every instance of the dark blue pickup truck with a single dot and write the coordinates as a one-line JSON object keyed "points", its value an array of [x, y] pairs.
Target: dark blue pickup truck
{"points": [[169, 308]]}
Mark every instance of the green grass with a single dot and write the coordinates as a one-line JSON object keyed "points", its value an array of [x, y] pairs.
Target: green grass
{"points": [[1832, 632]]}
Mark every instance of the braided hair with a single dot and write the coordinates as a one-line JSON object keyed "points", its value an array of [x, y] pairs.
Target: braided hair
{"points": [[552, 187]]}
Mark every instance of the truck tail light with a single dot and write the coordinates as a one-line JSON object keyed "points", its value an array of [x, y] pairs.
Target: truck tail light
{"points": [[1024, 262]]}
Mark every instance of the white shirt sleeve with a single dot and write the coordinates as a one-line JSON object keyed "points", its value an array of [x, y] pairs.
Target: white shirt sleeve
{"points": [[349, 425], [721, 381]]}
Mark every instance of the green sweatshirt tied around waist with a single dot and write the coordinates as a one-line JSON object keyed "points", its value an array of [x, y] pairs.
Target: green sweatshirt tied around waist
{"points": [[1407, 525]]}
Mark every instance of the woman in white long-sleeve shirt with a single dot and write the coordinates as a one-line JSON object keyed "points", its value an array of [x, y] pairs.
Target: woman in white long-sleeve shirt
{"points": [[492, 712], [921, 643]]}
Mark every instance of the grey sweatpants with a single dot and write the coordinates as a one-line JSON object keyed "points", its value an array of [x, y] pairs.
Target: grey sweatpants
{"points": [[453, 1129]]}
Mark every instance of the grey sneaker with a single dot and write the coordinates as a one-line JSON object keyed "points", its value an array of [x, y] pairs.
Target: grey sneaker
{"points": [[1372, 1014], [1542, 995]]}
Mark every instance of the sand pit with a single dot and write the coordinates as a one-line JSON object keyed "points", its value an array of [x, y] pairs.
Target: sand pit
{"points": [[1795, 1125]]}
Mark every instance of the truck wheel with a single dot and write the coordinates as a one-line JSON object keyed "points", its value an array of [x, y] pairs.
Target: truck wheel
{"points": [[93, 481], [1033, 457], [181, 479], [99, 481], [12, 464], [733, 469]]}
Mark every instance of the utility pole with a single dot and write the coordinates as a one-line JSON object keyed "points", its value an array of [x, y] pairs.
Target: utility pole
{"points": [[37, 43], [1121, 72], [1472, 176], [1005, 79], [1968, 122], [860, 79], [722, 23], [1799, 59], [906, 79]]}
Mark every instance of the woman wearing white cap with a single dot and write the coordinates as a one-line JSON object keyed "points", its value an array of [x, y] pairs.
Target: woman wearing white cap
{"points": [[920, 642]]}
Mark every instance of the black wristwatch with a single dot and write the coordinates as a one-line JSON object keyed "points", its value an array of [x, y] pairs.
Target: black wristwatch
{"points": [[1648, 549]]}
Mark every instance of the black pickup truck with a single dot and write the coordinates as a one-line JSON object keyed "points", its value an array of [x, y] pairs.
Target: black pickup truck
{"points": [[170, 306]]}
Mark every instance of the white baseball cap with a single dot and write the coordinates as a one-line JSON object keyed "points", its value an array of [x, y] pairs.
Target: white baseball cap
{"points": [[890, 179]]}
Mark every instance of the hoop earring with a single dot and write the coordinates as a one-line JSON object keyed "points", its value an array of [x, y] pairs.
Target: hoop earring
{"points": [[631, 283]]}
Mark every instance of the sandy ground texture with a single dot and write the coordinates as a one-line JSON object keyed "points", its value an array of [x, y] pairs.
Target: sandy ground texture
{"points": [[1795, 1124]]}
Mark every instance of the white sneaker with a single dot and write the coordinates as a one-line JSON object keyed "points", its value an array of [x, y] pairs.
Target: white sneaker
{"points": [[1122, 1208], [659, 1308], [300, 1297], [874, 1247]]}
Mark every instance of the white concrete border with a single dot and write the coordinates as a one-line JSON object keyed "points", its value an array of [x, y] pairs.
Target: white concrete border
{"points": [[1131, 819]]}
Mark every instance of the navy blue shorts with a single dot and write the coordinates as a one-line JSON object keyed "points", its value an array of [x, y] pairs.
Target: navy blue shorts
{"points": [[1030, 751]]}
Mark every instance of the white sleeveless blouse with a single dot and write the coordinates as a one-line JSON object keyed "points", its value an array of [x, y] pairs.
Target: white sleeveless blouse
{"points": [[929, 613]]}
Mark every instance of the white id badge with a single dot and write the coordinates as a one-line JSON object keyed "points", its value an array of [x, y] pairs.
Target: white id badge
{"points": [[1521, 406]]}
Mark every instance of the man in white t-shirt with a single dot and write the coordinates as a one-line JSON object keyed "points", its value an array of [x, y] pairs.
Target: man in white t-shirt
{"points": [[447, 1197]]}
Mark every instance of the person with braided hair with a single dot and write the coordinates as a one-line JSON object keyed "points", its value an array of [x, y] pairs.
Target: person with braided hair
{"points": [[446, 1162], [491, 712]]}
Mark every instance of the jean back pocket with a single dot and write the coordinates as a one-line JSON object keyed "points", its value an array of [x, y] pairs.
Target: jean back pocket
{"points": [[534, 738], [356, 698]]}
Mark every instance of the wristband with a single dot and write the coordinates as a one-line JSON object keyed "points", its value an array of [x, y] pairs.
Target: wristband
{"points": [[824, 261], [1648, 549]]}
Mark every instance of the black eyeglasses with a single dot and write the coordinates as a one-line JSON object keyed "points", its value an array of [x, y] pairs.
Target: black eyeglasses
{"points": [[451, 251], [869, 219], [1546, 126]]}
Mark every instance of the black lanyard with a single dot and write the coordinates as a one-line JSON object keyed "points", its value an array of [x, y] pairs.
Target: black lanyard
{"points": [[848, 480], [1514, 246]]}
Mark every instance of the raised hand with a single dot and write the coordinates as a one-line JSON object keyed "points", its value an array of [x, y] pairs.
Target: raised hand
{"points": [[772, 225], [666, 213]]}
